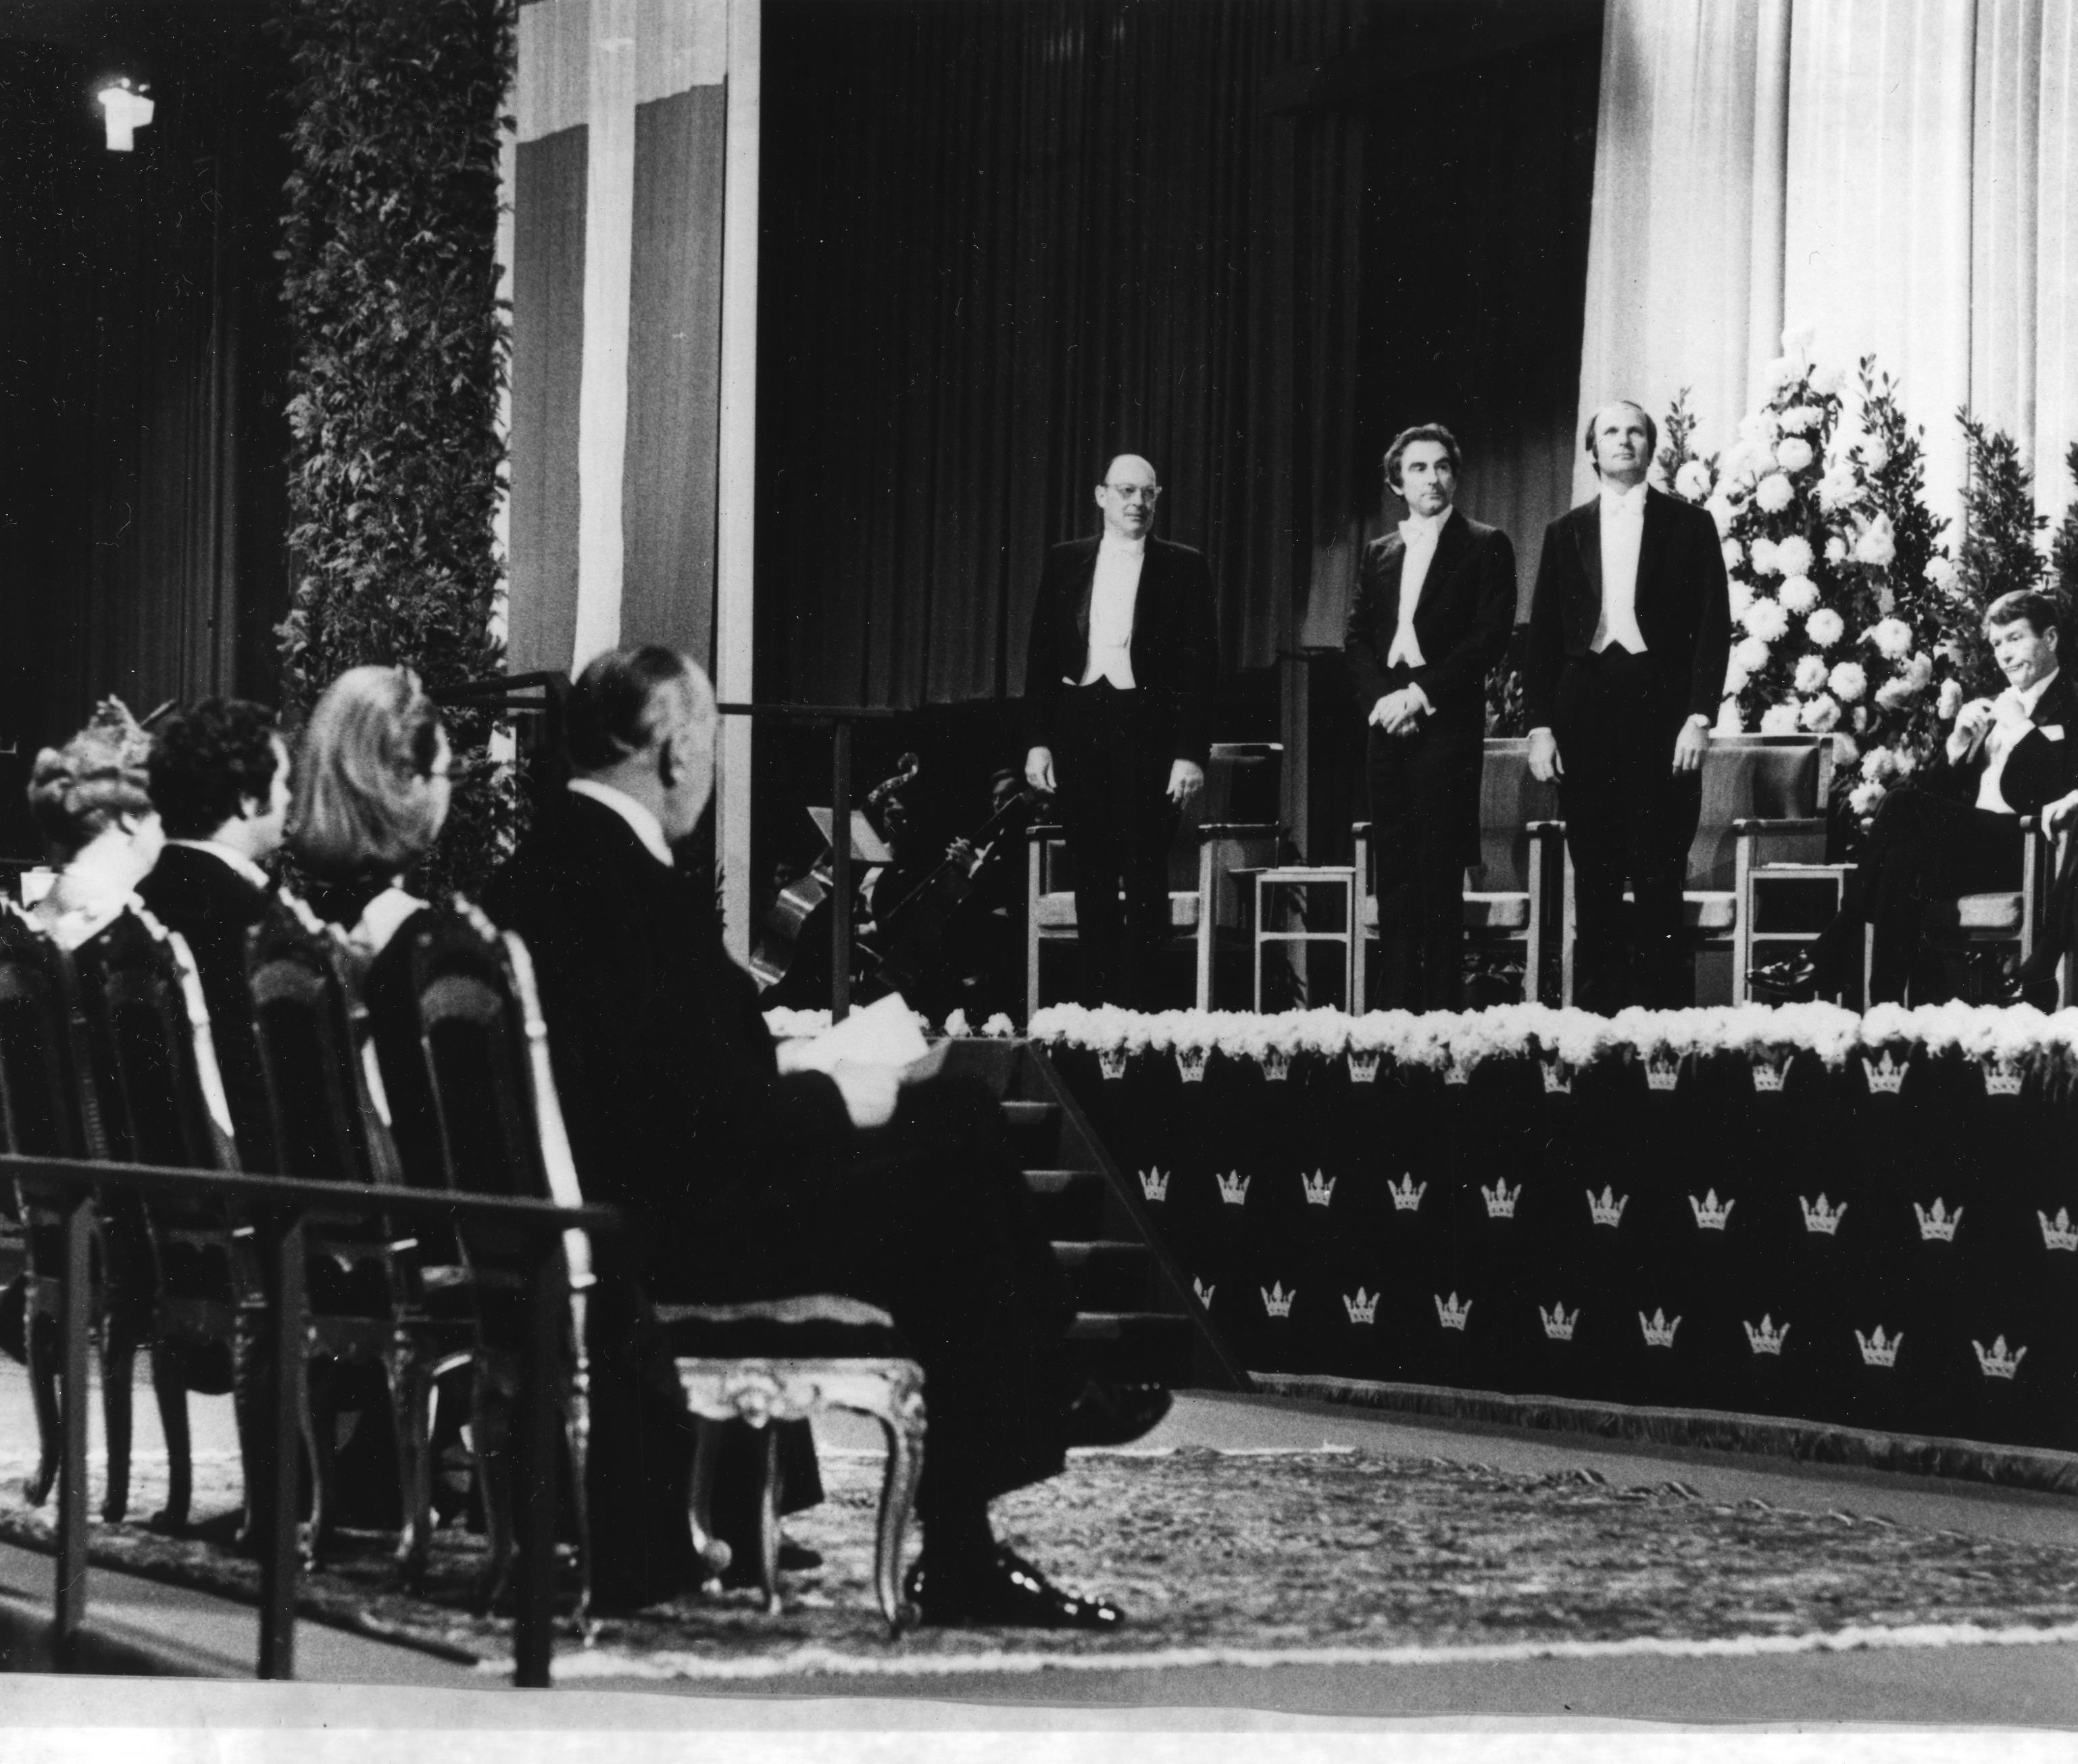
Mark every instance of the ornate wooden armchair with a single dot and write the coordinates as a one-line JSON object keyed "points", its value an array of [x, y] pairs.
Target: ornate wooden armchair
{"points": [[1217, 836], [162, 1102]]}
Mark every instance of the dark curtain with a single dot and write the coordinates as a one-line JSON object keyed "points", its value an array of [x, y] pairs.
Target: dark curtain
{"points": [[1001, 244], [142, 350]]}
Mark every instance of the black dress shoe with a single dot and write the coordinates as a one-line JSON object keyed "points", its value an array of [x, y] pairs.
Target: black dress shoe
{"points": [[1793, 980], [1006, 1590], [1108, 1414]]}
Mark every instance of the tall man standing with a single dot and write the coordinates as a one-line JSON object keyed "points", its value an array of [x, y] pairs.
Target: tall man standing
{"points": [[1630, 632], [1434, 610], [1118, 689]]}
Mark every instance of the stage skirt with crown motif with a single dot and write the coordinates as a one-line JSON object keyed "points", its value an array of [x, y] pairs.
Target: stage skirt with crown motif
{"points": [[1888, 1241]]}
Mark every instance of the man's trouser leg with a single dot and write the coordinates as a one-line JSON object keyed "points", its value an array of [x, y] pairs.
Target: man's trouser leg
{"points": [[1590, 797], [1095, 787]]}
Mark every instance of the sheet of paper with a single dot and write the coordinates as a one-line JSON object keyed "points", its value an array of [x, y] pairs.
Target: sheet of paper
{"points": [[881, 1033]]}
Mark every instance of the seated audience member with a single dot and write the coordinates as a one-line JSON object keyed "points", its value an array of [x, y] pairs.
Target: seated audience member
{"points": [[220, 782], [747, 1183], [1955, 829]]}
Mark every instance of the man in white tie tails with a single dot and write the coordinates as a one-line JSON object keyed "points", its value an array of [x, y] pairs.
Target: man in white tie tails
{"points": [[1434, 609], [1630, 633], [1955, 830], [1118, 690]]}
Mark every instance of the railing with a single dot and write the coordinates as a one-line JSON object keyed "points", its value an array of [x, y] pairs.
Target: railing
{"points": [[277, 1206]]}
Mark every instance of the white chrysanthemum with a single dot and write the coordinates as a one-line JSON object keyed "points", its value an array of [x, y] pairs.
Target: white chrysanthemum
{"points": [[1848, 681], [1876, 543], [1798, 340], [1810, 673], [1825, 627], [1819, 715], [1894, 694], [1836, 550], [1759, 429], [1733, 552], [1740, 593], [1779, 720], [1874, 455], [1879, 764], [1799, 594], [1773, 494], [1765, 620], [1951, 700], [1941, 573], [1751, 653], [1863, 798], [1781, 373], [1792, 555], [1827, 382], [1692, 482], [1846, 750], [1735, 678], [1792, 453], [1721, 511], [1728, 711], [1801, 418], [1839, 488], [1892, 638], [1764, 558], [1919, 672]]}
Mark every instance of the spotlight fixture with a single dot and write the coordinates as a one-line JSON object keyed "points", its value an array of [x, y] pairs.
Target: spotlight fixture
{"points": [[124, 109]]}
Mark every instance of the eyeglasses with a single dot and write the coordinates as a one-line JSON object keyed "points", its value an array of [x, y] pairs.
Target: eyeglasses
{"points": [[1134, 493]]}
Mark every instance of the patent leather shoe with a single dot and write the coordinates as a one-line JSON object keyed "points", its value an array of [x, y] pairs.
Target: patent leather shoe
{"points": [[1109, 1414], [1007, 1591]]}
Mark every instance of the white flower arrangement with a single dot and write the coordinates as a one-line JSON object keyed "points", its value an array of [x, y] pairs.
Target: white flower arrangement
{"points": [[1763, 555], [1767, 619], [1874, 455], [1820, 715], [1720, 507], [1827, 382], [1000, 1027], [1740, 593], [1840, 488], [1810, 673], [1836, 551], [956, 1024], [1892, 638], [1941, 573], [1751, 654], [1951, 700], [1864, 797], [1875, 543], [1800, 420], [1848, 681], [795, 1025], [1692, 482], [1792, 555], [1793, 453], [1773, 494], [1825, 627], [1734, 554], [1780, 719], [1799, 595]]}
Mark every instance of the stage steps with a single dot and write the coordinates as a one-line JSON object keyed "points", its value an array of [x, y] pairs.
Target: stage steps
{"points": [[1136, 1316]]}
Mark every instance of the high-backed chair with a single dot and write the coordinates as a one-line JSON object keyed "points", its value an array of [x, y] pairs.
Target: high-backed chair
{"points": [[1764, 801], [486, 1050], [366, 1297], [1231, 824], [2012, 918], [1509, 893], [162, 1102]]}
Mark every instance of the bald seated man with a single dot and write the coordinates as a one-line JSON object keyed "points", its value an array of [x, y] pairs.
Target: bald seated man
{"points": [[744, 1182], [1118, 693]]}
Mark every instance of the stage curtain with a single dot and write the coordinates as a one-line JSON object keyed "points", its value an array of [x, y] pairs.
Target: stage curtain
{"points": [[1000, 244], [1921, 184]]}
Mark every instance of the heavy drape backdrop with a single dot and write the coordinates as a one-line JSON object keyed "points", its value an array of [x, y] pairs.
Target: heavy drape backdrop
{"points": [[1246, 238]]}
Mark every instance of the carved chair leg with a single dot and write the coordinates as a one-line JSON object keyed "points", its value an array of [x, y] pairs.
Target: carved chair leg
{"points": [[119, 1367], [713, 1554], [319, 1420], [577, 1436], [169, 1387], [410, 1374], [898, 1500], [42, 1345], [491, 1443], [768, 1522]]}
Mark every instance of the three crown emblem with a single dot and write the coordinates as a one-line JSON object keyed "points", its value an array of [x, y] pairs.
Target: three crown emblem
{"points": [[1886, 1076], [1557, 1326], [1204, 1293], [1609, 1210], [1190, 1064], [1453, 1315], [1770, 1074], [1234, 1187], [2058, 1233], [1363, 1307], [1111, 1062], [1710, 1214], [1363, 1065], [1662, 1073], [1276, 1064], [1500, 1199], [1997, 1362], [1457, 1071], [1822, 1217], [2004, 1077], [1658, 1332], [1320, 1188], [1879, 1349], [1154, 1183], [1276, 1301], [1937, 1225], [1406, 1197], [1766, 1338], [1558, 1076]]}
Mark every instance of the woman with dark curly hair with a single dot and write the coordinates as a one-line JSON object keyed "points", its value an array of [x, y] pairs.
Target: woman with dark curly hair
{"points": [[92, 800]]}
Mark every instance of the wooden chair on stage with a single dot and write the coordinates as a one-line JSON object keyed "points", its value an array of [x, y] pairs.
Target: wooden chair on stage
{"points": [[1508, 893], [1214, 842], [162, 1102], [2009, 918], [485, 1047]]}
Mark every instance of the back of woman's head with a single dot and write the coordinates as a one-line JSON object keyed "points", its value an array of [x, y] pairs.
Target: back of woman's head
{"points": [[78, 791], [370, 794]]}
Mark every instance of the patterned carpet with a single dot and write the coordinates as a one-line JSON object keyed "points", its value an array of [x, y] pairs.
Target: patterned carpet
{"points": [[1245, 1557]]}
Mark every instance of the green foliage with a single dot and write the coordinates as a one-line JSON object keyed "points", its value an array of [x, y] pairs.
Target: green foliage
{"points": [[1999, 552], [402, 345], [2063, 548]]}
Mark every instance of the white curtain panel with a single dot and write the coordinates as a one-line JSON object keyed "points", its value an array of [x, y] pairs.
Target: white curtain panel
{"points": [[1915, 162]]}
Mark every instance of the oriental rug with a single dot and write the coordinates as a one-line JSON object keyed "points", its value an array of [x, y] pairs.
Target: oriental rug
{"points": [[1239, 1558]]}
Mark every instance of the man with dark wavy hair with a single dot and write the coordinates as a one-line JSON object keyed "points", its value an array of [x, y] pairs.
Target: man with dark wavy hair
{"points": [[1433, 612], [220, 779]]}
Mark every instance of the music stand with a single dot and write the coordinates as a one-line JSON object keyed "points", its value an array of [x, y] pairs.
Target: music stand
{"points": [[867, 847]]}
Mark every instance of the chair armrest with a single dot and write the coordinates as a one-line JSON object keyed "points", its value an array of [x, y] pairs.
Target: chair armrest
{"points": [[1758, 826], [1240, 830], [1544, 829], [2031, 823], [1360, 829], [1041, 830]]}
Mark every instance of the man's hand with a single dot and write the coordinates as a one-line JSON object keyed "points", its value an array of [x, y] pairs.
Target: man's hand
{"points": [[1039, 770], [1187, 778], [1398, 713], [1690, 745], [2057, 816], [1544, 764], [1973, 722], [869, 1092]]}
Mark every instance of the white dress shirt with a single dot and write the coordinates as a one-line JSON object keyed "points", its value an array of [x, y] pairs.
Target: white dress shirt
{"points": [[2013, 716], [1420, 533], [1112, 593], [1623, 530], [644, 825]]}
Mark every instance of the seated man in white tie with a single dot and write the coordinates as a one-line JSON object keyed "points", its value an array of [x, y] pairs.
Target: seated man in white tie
{"points": [[1433, 612], [1955, 830]]}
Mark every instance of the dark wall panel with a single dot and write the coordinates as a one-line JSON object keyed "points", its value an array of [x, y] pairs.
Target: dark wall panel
{"points": [[547, 370], [673, 373]]}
